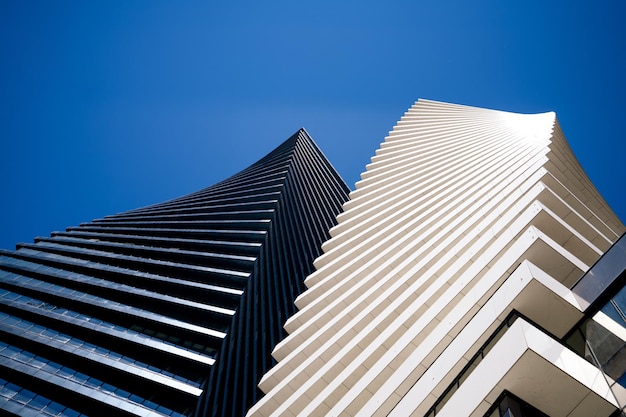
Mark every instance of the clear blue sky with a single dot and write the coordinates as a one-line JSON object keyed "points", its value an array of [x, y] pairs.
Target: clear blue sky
{"points": [[106, 106]]}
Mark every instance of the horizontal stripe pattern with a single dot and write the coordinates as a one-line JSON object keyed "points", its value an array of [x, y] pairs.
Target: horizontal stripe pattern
{"points": [[149, 312], [453, 202]]}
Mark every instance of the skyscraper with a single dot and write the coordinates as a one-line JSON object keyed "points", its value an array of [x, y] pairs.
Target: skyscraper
{"points": [[453, 282], [171, 309]]}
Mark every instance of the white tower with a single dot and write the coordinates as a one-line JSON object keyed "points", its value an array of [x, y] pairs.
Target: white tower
{"points": [[463, 216]]}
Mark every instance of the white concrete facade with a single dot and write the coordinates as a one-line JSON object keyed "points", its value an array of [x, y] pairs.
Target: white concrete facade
{"points": [[463, 215]]}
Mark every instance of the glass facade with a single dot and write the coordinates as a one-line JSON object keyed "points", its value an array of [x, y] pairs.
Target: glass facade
{"points": [[21, 401], [171, 309], [604, 276], [600, 337], [508, 405]]}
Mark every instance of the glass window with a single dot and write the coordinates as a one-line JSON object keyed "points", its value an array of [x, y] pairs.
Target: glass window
{"points": [[8, 390], [39, 402], [54, 408], [23, 396]]}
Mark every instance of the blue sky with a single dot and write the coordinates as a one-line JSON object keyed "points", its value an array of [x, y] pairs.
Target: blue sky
{"points": [[106, 106]]}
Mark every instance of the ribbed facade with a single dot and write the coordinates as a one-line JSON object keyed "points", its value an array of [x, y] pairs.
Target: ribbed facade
{"points": [[171, 309], [446, 288]]}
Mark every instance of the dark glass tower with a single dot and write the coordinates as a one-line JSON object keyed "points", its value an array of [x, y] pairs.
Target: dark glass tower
{"points": [[171, 309]]}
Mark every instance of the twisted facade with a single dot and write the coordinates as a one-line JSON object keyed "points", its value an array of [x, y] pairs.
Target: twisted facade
{"points": [[171, 309], [451, 284]]}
